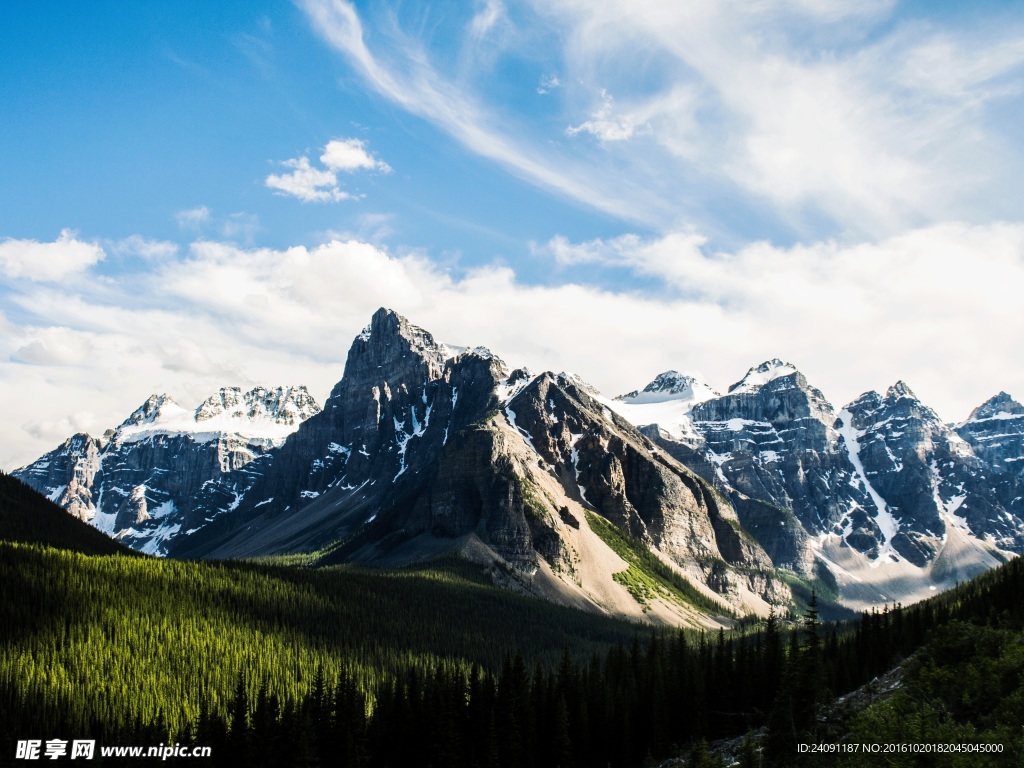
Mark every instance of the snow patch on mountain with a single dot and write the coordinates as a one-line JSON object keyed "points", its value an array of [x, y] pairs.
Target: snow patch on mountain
{"points": [[260, 414], [886, 523], [762, 374], [667, 401]]}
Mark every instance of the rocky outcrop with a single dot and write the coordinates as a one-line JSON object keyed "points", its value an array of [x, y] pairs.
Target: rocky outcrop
{"points": [[66, 474]]}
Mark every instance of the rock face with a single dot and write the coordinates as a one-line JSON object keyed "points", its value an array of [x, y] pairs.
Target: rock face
{"points": [[881, 483], [166, 471], [928, 478], [995, 430]]}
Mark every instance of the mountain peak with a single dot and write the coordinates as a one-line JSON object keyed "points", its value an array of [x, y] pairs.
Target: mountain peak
{"points": [[995, 407], [280, 405], [155, 407], [671, 385], [762, 374], [386, 323], [900, 390]]}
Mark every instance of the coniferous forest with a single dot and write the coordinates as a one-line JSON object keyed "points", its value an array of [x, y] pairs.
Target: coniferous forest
{"points": [[283, 666]]}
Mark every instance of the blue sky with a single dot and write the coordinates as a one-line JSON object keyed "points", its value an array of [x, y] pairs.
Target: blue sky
{"points": [[203, 194]]}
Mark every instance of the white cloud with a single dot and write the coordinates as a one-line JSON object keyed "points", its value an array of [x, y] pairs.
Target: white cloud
{"points": [[604, 124], [55, 346], [487, 18], [320, 185], [136, 245], [193, 218], [310, 185], [937, 306], [822, 115], [55, 432], [351, 155], [33, 260], [548, 83], [412, 82], [814, 107]]}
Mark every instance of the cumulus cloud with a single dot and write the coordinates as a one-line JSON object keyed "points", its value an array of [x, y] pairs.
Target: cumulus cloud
{"points": [[936, 306], [33, 260], [55, 346], [351, 155], [56, 431], [308, 184], [320, 185]]}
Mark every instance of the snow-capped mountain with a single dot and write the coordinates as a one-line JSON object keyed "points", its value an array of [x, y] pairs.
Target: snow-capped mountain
{"points": [[167, 470], [892, 501], [424, 448]]}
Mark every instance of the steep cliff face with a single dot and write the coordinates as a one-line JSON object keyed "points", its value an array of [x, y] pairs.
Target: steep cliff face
{"points": [[769, 444], [370, 452], [772, 438], [603, 462]]}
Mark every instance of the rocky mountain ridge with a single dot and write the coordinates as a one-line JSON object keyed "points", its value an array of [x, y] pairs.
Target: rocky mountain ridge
{"points": [[424, 448], [894, 503]]}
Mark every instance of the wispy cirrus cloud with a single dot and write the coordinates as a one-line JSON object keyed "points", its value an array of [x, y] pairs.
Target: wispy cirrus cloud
{"points": [[825, 117], [406, 76]]}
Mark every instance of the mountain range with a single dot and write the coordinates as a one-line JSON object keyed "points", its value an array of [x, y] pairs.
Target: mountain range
{"points": [[607, 504]]}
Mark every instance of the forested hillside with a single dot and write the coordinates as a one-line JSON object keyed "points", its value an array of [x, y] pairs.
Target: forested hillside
{"points": [[278, 665]]}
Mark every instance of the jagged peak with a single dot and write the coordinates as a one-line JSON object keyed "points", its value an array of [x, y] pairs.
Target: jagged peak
{"points": [[900, 390], [156, 406], [870, 399], [762, 374], [671, 385], [564, 378], [998, 406], [455, 351], [261, 412], [386, 323], [281, 405]]}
